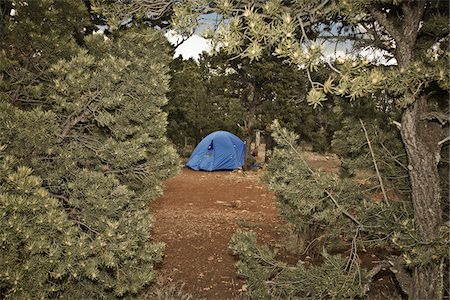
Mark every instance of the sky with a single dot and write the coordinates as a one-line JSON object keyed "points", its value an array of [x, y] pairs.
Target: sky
{"points": [[195, 45], [191, 48]]}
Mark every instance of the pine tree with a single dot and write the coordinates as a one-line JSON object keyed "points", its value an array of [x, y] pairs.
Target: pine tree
{"points": [[189, 106], [415, 34], [84, 151]]}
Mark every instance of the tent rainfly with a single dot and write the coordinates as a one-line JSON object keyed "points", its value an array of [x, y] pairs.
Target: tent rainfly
{"points": [[220, 150]]}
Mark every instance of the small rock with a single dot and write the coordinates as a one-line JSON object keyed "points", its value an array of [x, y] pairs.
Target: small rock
{"points": [[243, 288]]}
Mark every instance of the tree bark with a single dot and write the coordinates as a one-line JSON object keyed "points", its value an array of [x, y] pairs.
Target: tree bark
{"points": [[421, 142], [420, 138], [427, 282], [248, 139], [250, 96]]}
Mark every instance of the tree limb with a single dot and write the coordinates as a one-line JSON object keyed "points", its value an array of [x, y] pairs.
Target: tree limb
{"points": [[387, 23], [403, 277], [343, 210], [381, 266], [444, 140], [443, 118], [73, 119], [374, 162]]}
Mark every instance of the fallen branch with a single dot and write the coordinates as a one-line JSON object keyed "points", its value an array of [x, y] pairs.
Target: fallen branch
{"points": [[344, 211], [403, 277], [383, 265]]}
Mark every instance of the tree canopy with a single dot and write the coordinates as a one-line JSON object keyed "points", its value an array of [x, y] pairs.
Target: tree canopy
{"points": [[83, 147], [83, 151], [415, 34]]}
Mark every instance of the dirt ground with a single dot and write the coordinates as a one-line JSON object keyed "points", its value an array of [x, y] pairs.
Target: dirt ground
{"points": [[196, 218], [200, 211]]}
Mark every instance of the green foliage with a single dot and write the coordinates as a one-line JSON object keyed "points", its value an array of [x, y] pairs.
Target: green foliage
{"points": [[196, 105], [256, 264], [85, 151], [350, 144], [304, 194], [121, 95], [332, 206], [169, 291], [211, 95], [333, 215], [271, 279], [118, 14], [415, 34], [36, 235]]}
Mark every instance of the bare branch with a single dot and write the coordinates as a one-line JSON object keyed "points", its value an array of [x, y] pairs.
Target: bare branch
{"points": [[444, 140], [344, 211], [87, 227], [397, 124], [333, 68], [77, 117], [443, 118], [353, 251], [374, 162]]}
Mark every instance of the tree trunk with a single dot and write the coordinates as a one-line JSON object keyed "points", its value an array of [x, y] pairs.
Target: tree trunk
{"points": [[248, 139], [250, 97], [421, 138], [427, 283], [248, 153], [257, 143]]}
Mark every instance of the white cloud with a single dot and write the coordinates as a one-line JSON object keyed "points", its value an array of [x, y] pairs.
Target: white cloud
{"points": [[195, 45], [191, 48], [345, 50]]}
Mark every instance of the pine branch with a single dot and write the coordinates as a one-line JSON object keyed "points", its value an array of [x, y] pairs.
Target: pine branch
{"points": [[344, 211], [154, 8], [314, 176], [74, 119], [87, 227]]}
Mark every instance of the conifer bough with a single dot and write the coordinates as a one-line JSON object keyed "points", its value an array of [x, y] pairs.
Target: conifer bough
{"points": [[414, 33]]}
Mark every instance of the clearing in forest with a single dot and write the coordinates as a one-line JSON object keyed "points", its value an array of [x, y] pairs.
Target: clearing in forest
{"points": [[200, 211], [196, 218]]}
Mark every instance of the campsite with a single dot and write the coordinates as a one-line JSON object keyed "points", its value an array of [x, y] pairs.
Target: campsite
{"points": [[197, 230], [224, 150]]}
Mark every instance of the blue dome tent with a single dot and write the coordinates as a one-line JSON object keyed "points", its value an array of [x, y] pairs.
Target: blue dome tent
{"points": [[220, 150]]}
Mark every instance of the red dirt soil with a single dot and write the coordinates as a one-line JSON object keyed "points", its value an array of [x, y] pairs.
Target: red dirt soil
{"points": [[200, 211], [196, 218]]}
